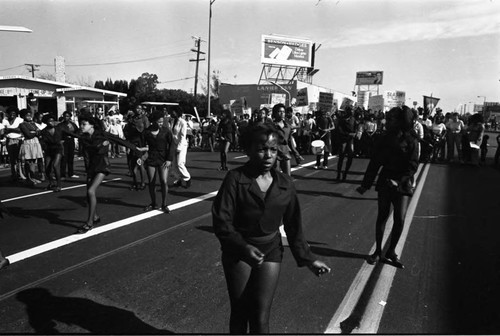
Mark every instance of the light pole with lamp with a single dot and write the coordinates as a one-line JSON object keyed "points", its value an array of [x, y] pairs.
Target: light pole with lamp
{"points": [[282, 88], [484, 103], [208, 54]]}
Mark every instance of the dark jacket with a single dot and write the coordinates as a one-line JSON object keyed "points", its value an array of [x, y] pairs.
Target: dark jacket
{"points": [[51, 143], [160, 147], [239, 211], [397, 154]]}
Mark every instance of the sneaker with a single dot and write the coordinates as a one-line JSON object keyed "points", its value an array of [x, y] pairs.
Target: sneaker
{"points": [[74, 176], [316, 167], [325, 167]]}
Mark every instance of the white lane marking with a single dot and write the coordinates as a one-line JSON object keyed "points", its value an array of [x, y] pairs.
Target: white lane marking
{"points": [[50, 191], [240, 157], [373, 312], [105, 228], [101, 229]]}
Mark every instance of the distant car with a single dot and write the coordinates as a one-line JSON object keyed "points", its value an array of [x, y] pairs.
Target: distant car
{"points": [[196, 122]]}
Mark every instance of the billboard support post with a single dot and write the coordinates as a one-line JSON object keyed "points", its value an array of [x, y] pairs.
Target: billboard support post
{"points": [[287, 92]]}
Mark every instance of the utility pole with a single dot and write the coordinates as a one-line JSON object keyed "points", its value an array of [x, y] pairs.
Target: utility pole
{"points": [[32, 68], [197, 42]]}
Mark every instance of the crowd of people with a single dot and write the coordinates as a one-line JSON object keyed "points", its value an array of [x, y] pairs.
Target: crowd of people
{"points": [[255, 199]]}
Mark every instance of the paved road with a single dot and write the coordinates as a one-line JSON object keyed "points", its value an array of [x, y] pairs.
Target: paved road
{"points": [[157, 273]]}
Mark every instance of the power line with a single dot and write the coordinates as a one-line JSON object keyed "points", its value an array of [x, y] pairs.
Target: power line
{"points": [[17, 66], [124, 62], [176, 80]]}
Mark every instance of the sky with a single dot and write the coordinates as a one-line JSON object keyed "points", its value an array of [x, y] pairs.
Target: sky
{"points": [[448, 49]]}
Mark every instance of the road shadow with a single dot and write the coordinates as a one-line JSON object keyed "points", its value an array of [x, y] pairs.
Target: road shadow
{"points": [[329, 252], [82, 201], [52, 216], [186, 193], [333, 194], [206, 228], [46, 310]]}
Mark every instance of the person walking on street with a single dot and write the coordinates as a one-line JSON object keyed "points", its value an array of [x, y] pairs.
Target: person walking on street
{"points": [[324, 127], [179, 129], [397, 153], [161, 153], [133, 131], [252, 202], [455, 127], [345, 135], [95, 142], [225, 132], [51, 139]]}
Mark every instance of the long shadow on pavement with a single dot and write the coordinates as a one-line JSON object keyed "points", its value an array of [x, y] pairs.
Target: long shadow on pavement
{"points": [[45, 310], [52, 215]]}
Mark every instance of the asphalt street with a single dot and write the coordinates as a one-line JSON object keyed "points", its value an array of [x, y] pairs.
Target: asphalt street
{"points": [[155, 273]]}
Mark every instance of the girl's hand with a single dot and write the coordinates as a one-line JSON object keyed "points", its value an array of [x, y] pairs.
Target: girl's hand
{"points": [[167, 164], [319, 268], [253, 256]]}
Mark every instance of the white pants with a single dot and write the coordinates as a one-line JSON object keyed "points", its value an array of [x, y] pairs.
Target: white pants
{"points": [[179, 165]]}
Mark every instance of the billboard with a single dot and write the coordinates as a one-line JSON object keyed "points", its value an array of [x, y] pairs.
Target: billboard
{"points": [[369, 77], [286, 51]]}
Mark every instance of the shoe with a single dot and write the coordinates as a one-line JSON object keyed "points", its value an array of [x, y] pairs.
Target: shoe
{"points": [[373, 258], [393, 259], [50, 187], [316, 167], [325, 167], [221, 169], [165, 209], [56, 189], [188, 184], [142, 187], [74, 176], [149, 207], [133, 187], [97, 221], [4, 263], [84, 228], [177, 183]]}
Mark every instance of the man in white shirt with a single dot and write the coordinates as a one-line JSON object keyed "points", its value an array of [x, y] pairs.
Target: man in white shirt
{"points": [[179, 133]]}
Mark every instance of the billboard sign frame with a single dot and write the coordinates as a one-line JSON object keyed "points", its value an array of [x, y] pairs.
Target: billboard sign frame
{"points": [[369, 77], [287, 51]]}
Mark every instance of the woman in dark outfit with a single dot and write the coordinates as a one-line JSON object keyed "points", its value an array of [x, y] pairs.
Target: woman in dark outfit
{"points": [[95, 142], [52, 143], [345, 137], [161, 152], [251, 204], [285, 135], [397, 153], [225, 132]]}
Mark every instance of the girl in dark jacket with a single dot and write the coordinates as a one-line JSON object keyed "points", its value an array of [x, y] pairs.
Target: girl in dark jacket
{"points": [[161, 151], [95, 142], [52, 143], [397, 153], [250, 206], [225, 134]]}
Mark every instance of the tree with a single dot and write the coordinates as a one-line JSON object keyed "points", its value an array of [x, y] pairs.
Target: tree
{"points": [[146, 86]]}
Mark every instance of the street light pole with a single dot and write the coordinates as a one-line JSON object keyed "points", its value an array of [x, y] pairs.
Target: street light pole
{"points": [[282, 88], [209, 54], [484, 103]]}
